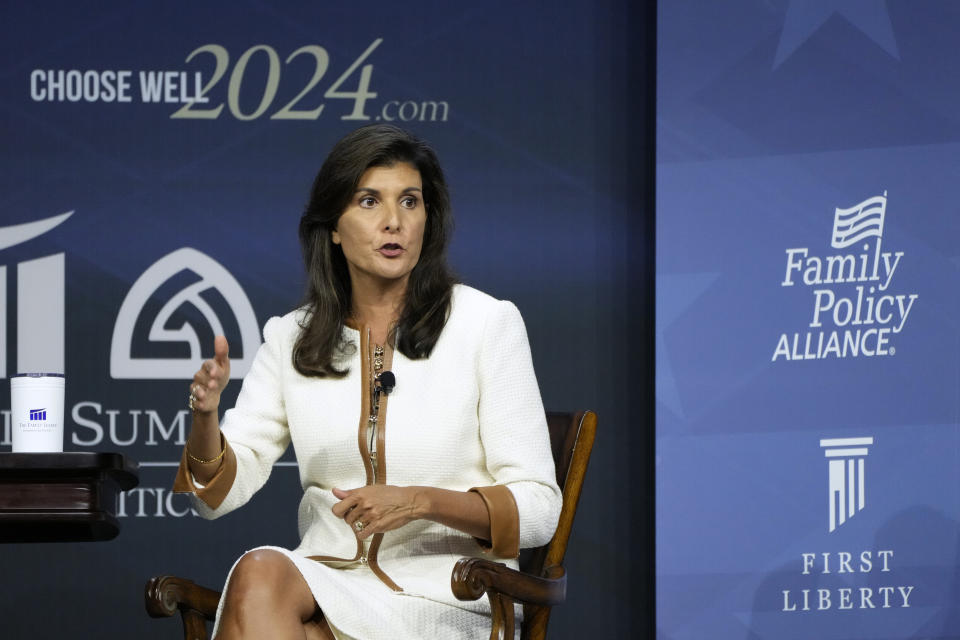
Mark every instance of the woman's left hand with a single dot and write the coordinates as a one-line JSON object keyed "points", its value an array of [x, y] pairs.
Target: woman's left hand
{"points": [[378, 507]]}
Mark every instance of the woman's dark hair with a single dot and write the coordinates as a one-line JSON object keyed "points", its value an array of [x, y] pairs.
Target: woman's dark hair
{"points": [[328, 296]]}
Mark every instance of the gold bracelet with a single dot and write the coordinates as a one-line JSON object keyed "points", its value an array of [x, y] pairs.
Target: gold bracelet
{"points": [[196, 459]]}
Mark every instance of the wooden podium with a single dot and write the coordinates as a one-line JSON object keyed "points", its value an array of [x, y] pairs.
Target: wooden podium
{"points": [[62, 497]]}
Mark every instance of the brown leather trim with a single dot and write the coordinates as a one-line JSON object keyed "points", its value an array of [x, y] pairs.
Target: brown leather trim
{"points": [[382, 421], [366, 365], [504, 522], [361, 435], [336, 559], [375, 566], [215, 491], [382, 473], [355, 558], [366, 393]]}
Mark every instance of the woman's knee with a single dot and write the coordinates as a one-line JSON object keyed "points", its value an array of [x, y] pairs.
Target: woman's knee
{"points": [[264, 577]]}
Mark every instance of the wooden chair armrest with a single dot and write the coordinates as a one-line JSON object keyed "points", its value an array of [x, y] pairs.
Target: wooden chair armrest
{"points": [[166, 595], [473, 577]]}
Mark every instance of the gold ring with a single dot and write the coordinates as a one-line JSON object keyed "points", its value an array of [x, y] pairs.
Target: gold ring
{"points": [[358, 525]]}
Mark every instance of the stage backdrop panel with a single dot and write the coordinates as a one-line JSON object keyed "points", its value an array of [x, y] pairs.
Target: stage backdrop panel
{"points": [[807, 332], [156, 158]]}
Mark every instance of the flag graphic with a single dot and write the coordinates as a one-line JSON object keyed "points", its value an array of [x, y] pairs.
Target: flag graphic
{"points": [[859, 221]]}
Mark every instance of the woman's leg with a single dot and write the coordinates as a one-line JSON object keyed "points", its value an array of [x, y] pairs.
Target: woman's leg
{"points": [[267, 597]]}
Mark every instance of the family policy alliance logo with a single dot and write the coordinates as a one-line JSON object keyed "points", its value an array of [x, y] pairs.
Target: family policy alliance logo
{"points": [[853, 313]]}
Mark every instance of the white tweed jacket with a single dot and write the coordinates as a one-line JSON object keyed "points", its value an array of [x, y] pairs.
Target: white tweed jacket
{"points": [[468, 416]]}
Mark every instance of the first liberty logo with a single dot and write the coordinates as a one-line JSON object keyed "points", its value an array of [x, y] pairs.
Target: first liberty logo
{"points": [[841, 580], [853, 312], [847, 489]]}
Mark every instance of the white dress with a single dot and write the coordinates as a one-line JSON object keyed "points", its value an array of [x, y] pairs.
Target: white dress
{"points": [[468, 417]]}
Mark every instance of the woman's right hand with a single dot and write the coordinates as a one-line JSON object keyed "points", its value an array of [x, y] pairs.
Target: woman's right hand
{"points": [[210, 381]]}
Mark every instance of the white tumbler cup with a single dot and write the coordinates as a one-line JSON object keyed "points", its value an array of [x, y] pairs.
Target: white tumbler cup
{"points": [[36, 412]]}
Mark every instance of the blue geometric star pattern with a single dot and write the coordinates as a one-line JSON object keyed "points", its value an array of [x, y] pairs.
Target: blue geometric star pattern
{"points": [[675, 294], [805, 17]]}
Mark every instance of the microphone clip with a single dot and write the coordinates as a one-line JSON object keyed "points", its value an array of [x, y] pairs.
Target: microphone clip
{"points": [[385, 381]]}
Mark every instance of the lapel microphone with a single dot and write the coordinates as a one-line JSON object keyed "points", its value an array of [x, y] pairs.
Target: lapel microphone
{"points": [[385, 381]]}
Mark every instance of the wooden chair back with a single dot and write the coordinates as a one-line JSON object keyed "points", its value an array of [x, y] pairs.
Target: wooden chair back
{"points": [[571, 441]]}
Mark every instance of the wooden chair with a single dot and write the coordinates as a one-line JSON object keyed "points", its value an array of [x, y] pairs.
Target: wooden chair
{"points": [[540, 583]]}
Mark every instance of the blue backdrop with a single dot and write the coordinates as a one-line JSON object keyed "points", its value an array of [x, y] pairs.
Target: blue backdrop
{"points": [[807, 342], [156, 157]]}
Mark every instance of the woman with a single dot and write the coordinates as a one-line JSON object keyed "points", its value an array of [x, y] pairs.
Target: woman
{"points": [[459, 465]]}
